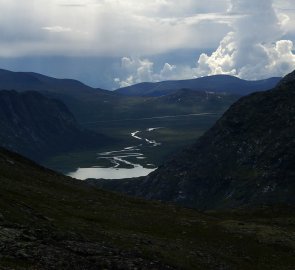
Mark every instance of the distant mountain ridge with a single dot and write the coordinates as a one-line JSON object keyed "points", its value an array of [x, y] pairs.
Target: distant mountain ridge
{"points": [[93, 104], [216, 83], [247, 158], [37, 126], [89, 104], [24, 81], [82, 100]]}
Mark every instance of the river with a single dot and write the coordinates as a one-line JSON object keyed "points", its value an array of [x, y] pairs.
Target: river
{"points": [[123, 161]]}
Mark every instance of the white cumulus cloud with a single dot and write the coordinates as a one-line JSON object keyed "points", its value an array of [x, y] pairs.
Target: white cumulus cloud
{"points": [[142, 70], [253, 50]]}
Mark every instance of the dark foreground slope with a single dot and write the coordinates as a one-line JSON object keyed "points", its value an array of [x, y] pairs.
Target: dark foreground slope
{"points": [[247, 158], [48, 221], [37, 126]]}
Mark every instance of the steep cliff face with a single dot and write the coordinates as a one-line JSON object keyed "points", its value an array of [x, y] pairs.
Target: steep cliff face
{"points": [[37, 127], [248, 157]]}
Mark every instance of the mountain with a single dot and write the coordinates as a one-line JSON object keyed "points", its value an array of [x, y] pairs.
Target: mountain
{"points": [[82, 100], [49, 221], [117, 116], [37, 126], [216, 83], [24, 81], [90, 104], [93, 104], [247, 158]]}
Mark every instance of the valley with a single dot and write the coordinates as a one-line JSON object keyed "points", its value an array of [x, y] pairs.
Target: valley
{"points": [[122, 163], [245, 159], [147, 135], [186, 113], [134, 145], [186, 109], [155, 145]]}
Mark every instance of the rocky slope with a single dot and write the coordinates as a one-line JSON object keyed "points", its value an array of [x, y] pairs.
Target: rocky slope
{"points": [[37, 126], [49, 221], [247, 158]]}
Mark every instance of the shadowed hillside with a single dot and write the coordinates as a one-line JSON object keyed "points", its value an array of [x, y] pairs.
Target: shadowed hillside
{"points": [[49, 221], [38, 127]]}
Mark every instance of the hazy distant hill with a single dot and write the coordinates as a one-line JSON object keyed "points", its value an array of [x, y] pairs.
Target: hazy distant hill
{"points": [[247, 158], [217, 83], [37, 126]]}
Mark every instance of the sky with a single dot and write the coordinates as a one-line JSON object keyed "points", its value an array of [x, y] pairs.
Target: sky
{"points": [[116, 43]]}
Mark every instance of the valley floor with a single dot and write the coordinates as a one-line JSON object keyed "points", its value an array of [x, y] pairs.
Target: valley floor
{"points": [[175, 134]]}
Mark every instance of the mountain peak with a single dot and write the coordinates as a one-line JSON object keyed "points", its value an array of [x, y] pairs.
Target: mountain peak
{"points": [[290, 78]]}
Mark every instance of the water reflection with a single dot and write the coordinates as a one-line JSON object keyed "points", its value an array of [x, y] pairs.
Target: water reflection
{"points": [[120, 159], [110, 173]]}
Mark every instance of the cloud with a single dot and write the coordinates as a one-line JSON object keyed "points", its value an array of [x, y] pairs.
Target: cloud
{"points": [[115, 28], [148, 31], [253, 50], [75, 3], [109, 27], [139, 70], [142, 70], [57, 29]]}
